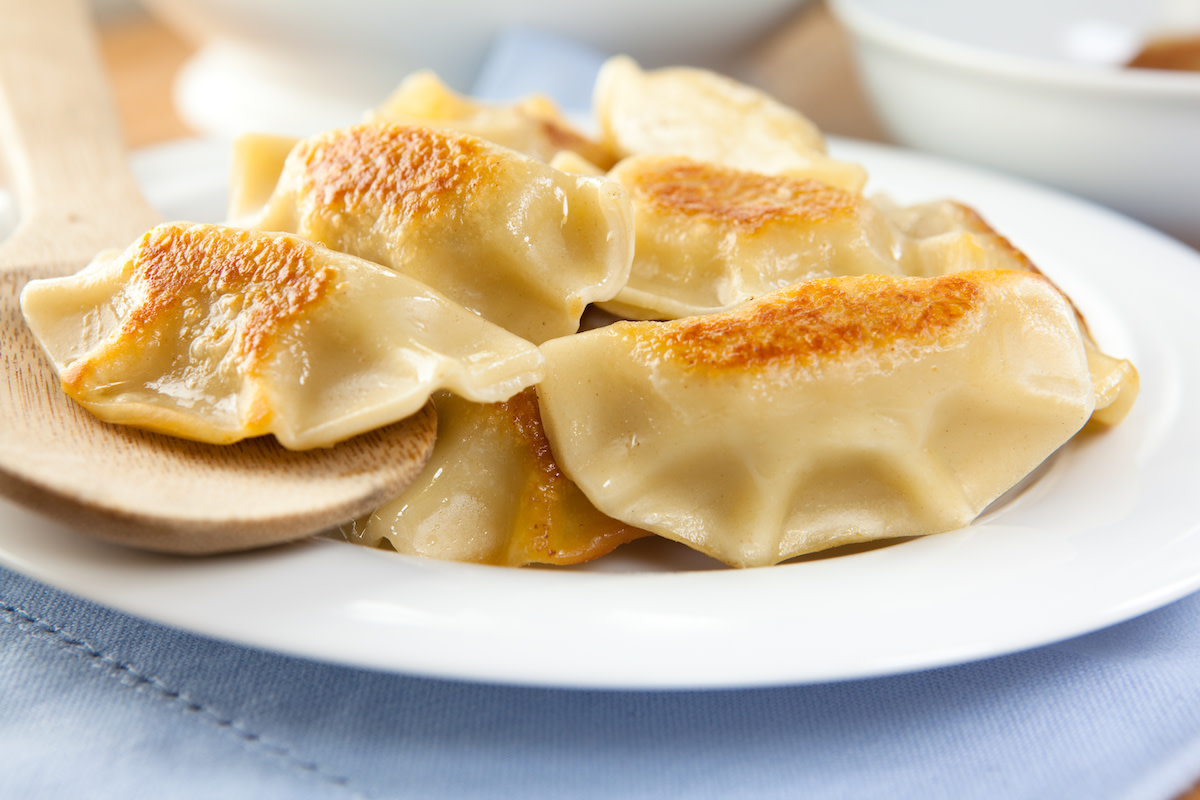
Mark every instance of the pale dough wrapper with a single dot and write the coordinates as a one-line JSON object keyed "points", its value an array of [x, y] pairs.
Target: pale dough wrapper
{"points": [[524, 245], [710, 237], [491, 493], [708, 117], [533, 125], [835, 411], [219, 334]]}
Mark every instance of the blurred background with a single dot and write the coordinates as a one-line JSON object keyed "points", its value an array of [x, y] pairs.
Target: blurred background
{"points": [[162, 60], [1039, 89]]}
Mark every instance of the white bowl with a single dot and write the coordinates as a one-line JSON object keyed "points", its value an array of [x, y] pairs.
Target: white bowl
{"points": [[303, 62], [1038, 88]]}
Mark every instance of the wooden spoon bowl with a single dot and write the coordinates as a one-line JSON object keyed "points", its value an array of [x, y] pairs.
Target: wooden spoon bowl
{"points": [[76, 196]]}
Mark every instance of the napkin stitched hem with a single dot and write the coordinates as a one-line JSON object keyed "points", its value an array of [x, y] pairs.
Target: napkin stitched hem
{"points": [[129, 676]]}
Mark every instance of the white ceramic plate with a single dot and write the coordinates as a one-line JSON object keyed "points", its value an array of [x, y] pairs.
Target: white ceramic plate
{"points": [[1110, 529]]}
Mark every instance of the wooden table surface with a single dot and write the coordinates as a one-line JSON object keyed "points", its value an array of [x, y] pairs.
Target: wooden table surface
{"points": [[806, 64]]}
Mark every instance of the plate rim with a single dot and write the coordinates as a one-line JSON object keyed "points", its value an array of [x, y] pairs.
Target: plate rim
{"points": [[143, 585]]}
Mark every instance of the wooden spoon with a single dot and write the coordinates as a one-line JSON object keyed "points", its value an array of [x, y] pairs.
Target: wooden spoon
{"points": [[76, 196]]}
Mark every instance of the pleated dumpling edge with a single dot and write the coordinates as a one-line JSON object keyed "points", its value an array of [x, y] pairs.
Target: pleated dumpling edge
{"points": [[836, 411], [219, 334]]}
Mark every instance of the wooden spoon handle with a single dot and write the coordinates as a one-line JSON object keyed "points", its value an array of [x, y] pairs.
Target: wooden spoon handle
{"points": [[59, 130]]}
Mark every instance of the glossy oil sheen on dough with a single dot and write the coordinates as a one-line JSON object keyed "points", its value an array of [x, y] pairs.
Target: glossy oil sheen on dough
{"points": [[533, 125], [492, 493], [709, 117], [219, 334], [836, 411], [509, 237]]}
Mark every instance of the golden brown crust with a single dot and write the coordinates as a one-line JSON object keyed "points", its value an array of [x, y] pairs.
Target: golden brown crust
{"points": [[407, 169], [556, 524], [820, 320], [175, 264], [276, 275], [526, 419], [269, 281], [746, 199]]}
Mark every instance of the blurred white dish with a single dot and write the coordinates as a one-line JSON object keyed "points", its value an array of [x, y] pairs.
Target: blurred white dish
{"points": [[1109, 530], [310, 64], [1038, 88]]}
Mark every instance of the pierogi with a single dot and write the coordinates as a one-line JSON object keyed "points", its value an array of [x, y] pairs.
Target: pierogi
{"points": [[710, 237], [491, 493], [513, 239], [219, 334], [783, 364], [950, 237], [711, 118], [835, 411], [533, 125]]}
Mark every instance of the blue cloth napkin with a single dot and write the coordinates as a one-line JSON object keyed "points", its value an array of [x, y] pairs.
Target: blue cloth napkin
{"points": [[97, 704]]}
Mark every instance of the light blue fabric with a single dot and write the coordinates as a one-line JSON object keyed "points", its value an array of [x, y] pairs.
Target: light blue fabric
{"points": [[95, 704], [525, 61]]}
